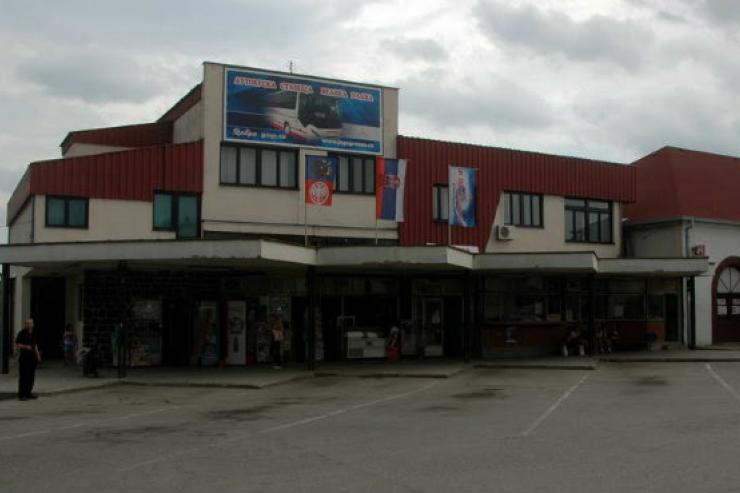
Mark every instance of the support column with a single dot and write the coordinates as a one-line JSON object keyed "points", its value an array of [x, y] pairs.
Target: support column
{"points": [[7, 339], [590, 321], [691, 288], [468, 315], [312, 291]]}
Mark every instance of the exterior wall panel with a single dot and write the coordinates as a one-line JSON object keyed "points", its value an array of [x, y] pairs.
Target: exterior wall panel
{"points": [[127, 175], [498, 170]]}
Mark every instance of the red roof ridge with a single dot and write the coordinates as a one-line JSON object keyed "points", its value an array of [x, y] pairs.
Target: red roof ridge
{"points": [[519, 151]]}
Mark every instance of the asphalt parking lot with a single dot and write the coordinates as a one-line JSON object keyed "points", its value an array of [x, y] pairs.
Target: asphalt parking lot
{"points": [[622, 427]]}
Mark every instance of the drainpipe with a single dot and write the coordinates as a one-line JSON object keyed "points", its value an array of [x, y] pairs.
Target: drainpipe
{"points": [[7, 340], [690, 289]]}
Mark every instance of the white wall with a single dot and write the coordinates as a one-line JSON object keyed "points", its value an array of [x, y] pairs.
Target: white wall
{"points": [[108, 220], [22, 300], [251, 209], [189, 127], [21, 231], [551, 238], [79, 149], [722, 241], [659, 241]]}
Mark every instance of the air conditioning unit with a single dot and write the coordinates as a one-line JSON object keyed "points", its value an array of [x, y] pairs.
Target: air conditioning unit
{"points": [[699, 251], [505, 233]]}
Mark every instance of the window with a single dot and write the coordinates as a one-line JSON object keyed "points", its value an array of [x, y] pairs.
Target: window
{"points": [[728, 293], [440, 203], [177, 212], [355, 174], [523, 209], [261, 167], [66, 212], [588, 221]]}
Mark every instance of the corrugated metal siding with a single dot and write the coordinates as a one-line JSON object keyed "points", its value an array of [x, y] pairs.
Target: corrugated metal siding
{"points": [[498, 170], [142, 135], [126, 175]]}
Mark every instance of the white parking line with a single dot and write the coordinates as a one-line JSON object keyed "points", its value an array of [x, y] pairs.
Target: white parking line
{"points": [[552, 408], [88, 423], [734, 393], [282, 427]]}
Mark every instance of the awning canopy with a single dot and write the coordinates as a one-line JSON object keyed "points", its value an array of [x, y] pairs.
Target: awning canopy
{"points": [[246, 254]]}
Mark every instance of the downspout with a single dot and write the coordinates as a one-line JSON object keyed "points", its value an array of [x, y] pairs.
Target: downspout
{"points": [[690, 290]]}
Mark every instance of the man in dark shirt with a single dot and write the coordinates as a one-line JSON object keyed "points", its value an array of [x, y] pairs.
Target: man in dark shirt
{"points": [[28, 358]]}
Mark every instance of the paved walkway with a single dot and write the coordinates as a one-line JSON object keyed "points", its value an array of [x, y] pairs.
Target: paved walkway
{"points": [[55, 377]]}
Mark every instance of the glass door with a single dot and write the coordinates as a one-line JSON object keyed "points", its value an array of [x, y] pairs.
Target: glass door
{"points": [[432, 327]]}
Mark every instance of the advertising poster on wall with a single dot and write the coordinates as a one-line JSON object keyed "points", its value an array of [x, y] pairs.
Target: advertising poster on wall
{"points": [[282, 109], [236, 331], [462, 196], [207, 333]]}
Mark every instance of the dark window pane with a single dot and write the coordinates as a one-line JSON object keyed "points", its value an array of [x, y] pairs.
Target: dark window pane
{"points": [[55, 212], [526, 210], [268, 168], [444, 205], [247, 166], [593, 227], [507, 208], [516, 217], [187, 217], [287, 169], [575, 203], [606, 228], [343, 174], [228, 165], [162, 211], [536, 219], [602, 206], [570, 226], [77, 212], [369, 175], [580, 226], [356, 174]]}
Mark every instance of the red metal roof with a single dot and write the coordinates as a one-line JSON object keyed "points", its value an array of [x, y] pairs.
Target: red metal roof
{"points": [[498, 170], [674, 182], [141, 135], [126, 175]]}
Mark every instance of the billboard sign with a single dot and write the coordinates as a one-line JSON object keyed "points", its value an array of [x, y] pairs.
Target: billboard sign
{"points": [[281, 109]]}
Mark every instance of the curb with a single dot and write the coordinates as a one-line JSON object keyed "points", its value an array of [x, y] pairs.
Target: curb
{"points": [[392, 374], [64, 390], [670, 360], [220, 385], [519, 366]]}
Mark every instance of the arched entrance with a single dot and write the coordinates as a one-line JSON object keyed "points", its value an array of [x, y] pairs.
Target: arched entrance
{"points": [[726, 301]]}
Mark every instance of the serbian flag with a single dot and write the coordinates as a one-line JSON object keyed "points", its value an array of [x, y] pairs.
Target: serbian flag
{"points": [[320, 172], [390, 181]]}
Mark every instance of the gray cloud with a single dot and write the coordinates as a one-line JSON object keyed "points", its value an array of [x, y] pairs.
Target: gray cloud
{"points": [[451, 102], [597, 38], [722, 10], [96, 76], [426, 50]]}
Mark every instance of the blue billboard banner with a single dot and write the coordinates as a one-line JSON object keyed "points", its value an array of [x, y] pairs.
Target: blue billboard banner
{"points": [[462, 183], [281, 109]]}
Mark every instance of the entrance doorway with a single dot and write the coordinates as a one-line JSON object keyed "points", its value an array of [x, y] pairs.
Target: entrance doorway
{"points": [[671, 317], [177, 333], [726, 297], [432, 329], [48, 313]]}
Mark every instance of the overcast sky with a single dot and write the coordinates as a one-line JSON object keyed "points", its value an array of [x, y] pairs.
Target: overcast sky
{"points": [[605, 79]]}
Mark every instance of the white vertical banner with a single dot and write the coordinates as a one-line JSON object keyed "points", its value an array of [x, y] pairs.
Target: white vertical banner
{"points": [[236, 333]]}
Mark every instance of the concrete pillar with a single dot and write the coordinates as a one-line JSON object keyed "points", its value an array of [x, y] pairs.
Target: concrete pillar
{"points": [[6, 332], [313, 304]]}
